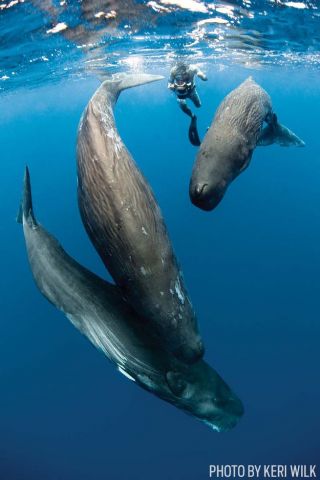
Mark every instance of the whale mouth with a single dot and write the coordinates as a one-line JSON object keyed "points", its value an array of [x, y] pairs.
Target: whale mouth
{"points": [[228, 417], [199, 190], [222, 425], [202, 197]]}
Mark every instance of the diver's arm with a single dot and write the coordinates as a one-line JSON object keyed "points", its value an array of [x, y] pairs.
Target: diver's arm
{"points": [[171, 80], [198, 72], [201, 75]]}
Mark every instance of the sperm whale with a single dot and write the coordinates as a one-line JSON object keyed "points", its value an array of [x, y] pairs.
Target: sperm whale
{"points": [[227, 148], [125, 224]]}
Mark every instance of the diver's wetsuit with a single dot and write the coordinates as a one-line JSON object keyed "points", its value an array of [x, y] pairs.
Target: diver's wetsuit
{"points": [[193, 95], [182, 82]]}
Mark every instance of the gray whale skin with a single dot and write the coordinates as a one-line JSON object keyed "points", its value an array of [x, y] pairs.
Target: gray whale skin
{"points": [[125, 225], [100, 312], [228, 145]]}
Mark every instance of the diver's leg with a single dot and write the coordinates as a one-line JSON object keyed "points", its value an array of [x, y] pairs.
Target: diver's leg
{"points": [[193, 129], [193, 132], [195, 98], [184, 107]]}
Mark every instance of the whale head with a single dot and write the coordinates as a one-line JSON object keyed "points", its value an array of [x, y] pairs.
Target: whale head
{"points": [[221, 158]]}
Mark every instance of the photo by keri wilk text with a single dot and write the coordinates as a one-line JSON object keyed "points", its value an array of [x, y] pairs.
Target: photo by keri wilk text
{"points": [[263, 471]]}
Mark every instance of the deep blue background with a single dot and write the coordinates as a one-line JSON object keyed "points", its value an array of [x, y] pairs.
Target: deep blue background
{"points": [[252, 268]]}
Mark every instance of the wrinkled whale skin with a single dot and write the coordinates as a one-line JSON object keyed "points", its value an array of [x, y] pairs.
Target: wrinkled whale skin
{"points": [[125, 225]]}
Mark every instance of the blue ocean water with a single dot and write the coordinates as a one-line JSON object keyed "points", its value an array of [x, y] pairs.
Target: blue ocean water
{"points": [[251, 266]]}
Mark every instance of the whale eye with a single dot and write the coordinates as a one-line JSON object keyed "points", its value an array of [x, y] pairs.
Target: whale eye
{"points": [[176, 383]]}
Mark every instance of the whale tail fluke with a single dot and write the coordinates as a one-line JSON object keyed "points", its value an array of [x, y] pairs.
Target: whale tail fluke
{"points": [[26, 208], [118, 83], [136, 79], [274, 132]]}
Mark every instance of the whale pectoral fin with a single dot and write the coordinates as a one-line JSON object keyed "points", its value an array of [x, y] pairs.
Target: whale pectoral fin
{"points": [[287, 138], [193, 132], [274, 132]]}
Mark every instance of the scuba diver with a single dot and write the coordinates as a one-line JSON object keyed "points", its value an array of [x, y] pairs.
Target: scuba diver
{"points": [[181, 81]]}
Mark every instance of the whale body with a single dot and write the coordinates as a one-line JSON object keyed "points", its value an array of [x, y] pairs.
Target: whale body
{"points": [[99, 311], [125, 225], [228, 145]]}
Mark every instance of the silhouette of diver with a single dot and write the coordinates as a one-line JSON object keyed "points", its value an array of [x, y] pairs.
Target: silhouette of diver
{"points": [[181, 81]]}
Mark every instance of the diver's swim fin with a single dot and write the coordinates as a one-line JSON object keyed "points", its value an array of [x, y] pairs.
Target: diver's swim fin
{"points": [[193, 132], [274, 132]]}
